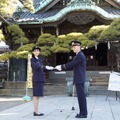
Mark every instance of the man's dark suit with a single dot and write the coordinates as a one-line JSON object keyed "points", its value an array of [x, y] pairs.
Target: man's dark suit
{"points": [[78, 64]]}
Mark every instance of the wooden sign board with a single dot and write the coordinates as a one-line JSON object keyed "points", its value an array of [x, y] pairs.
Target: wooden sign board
{"points": [[114, 81]]}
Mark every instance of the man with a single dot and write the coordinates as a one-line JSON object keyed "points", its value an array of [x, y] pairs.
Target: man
{"points": [[78, 64]]}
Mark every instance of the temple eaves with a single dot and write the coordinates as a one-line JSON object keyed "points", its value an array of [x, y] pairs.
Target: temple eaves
{"points": [[53, 16]]}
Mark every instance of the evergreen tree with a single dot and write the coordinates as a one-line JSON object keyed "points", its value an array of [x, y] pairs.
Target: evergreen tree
{"points": [[61, 45], [2, 38], [62, 42], [95, 32], [16, 35], [46, 41], [112, 35], [8, 7], [23, 51]]}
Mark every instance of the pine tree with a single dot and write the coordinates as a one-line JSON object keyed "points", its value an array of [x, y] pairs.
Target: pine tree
{"points": [[46, 41], [8, 7], [2, 38], [16, 35]]}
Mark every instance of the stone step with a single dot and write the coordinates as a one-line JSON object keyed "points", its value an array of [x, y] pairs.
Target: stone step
{"points": [[70, 73], [100, 76], [1, 84], [102, 80], [56, 83], [14, 92], [100, 90], [89, 73], [60, 77], [99, 80], [14, 85], [57, 80], [98, 72], [99, 83], [56, 89], [49, 89], [97, 87]]}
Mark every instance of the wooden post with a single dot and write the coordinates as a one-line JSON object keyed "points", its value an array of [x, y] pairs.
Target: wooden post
{"points": [[57, 31], [41, 30]]}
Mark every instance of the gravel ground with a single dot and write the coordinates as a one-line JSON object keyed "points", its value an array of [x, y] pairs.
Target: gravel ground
{"points": [[7, 102]]}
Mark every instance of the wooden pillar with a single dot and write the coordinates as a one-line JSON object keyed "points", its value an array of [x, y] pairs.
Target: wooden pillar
{"points": [[41, 30], [57, 31]]}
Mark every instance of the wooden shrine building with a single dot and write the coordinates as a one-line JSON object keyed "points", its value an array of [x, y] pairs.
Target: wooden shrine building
{"points": [[60, 17]]}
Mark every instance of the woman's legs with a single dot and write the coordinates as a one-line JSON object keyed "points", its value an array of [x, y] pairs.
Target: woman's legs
{"points": [[36, 103]]}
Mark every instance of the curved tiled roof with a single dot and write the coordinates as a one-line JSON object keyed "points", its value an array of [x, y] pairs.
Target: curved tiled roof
{"points": [[53, 15], [40, 4], [57, 14], [28, 16], [112, 11], [36, 3]]}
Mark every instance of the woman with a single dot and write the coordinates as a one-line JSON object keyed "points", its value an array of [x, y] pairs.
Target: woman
{"points": [[38, 78]]}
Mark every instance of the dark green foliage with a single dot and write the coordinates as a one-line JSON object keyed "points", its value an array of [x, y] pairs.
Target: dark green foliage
{"points": [[61, 45], [95, 32], [4, 56], [1, 36], [27, 47], [46, 41], [112, 33], [8, 7], [17, 35]]}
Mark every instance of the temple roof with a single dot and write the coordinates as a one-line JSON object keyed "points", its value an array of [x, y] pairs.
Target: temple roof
{"points": [[40, 4], [28, 16], [55, 14]]}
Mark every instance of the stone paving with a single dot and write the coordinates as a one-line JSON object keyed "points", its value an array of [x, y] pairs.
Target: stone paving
{"points": [[59, 107]]}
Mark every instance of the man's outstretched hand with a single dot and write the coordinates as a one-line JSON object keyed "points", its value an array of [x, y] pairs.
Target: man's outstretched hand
{"points": [[58, 67]]}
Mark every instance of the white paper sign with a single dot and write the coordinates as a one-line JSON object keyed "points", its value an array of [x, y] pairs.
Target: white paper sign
{"points": [[114, 81]]}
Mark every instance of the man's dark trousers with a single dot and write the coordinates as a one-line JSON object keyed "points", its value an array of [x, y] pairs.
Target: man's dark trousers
{"points": [[81, 99]]}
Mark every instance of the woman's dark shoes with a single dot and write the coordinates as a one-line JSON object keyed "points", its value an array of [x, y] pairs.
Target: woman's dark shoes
{"points": [[80, 116], [36, 114]]}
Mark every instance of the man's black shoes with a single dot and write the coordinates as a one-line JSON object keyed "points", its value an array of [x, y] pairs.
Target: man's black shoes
{"points": [[36, 114], [80, 116]]}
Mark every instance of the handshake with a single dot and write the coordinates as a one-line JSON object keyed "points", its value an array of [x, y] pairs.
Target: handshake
{"points": [[58, 67]]}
